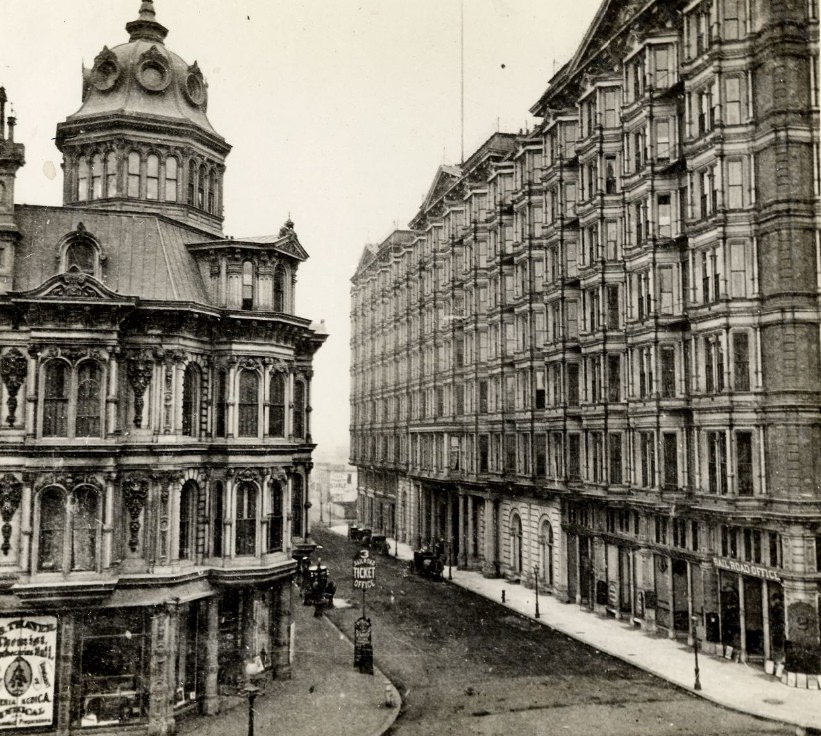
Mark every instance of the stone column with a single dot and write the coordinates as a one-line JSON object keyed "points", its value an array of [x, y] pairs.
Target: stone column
{"points": [[30, 418], [462, 537], [211, 702], [489, 564], [432, 516], [108, 520], [469, 556], [112, 402], [26, 520], [449, 522], [62, 676], [281, 640], [158, 687]]}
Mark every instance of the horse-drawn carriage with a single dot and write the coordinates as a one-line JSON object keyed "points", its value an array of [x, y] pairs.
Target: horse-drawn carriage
{"points": [[375, 541], [318, 589], [428, 562]]}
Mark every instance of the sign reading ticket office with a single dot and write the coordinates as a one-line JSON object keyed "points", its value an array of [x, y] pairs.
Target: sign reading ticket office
{"points": [[28, 648]]}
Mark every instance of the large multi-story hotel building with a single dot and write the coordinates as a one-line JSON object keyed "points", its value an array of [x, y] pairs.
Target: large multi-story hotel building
{"points": [[594, 354], [155, 448]]}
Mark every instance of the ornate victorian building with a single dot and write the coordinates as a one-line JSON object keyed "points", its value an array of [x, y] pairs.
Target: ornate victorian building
{"points": [[155, 446], [595, 356]]}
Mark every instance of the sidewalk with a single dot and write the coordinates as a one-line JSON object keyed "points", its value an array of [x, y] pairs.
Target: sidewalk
{"points": [[730, 684], [325, 695]]}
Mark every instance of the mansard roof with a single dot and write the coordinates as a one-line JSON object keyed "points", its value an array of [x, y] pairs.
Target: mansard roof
{"points": [[602, 46], [145, 255]]}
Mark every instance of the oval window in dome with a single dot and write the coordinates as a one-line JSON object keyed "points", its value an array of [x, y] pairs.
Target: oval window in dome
{"points": [[194, 89], [105, 75]]}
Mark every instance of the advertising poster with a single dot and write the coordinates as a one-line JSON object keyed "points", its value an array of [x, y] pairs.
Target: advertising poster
{"points": [[28, 648]]}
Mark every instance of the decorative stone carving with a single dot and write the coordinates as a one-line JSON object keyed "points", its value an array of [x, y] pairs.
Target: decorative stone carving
{"points": [[135, 494], [13, 372], [140, 368], [68, 481], [11, 492], [252, 474]]}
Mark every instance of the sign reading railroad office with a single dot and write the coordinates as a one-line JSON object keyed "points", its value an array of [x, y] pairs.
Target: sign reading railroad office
{"points": [[746, 568], [28, 649], [364, 570]]}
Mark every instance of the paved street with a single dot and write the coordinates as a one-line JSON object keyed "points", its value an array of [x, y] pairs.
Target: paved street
{"points": [[465, 665]]}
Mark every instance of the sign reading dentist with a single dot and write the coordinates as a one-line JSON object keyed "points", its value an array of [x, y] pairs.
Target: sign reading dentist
{"points": [[28, 649]]}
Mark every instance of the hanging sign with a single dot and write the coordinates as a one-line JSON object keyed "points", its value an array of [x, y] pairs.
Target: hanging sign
{"points": [[364, 570], [28, 650]]}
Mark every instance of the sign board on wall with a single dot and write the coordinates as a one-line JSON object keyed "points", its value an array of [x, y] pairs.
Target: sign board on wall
{"points": [[746, 568], [28, 652]]}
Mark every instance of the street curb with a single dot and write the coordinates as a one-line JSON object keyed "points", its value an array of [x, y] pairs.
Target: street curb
{"points": [[621, 658], [391, 717]]}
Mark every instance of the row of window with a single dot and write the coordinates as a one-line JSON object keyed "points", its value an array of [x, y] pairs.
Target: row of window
{"points": [[723, 462], [665, 370], [139, 176], [74, 399], [70, 522]]}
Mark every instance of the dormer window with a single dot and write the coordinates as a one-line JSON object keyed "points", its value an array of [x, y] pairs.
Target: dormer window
{"points": [[80, 252], [97, 177], [82, 181], [111, 174], [81, 255]]}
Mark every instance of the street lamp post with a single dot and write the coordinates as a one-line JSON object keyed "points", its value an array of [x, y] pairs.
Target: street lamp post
{"points": [[697, 685], [251, 670], [536, 583], [450, 559]]}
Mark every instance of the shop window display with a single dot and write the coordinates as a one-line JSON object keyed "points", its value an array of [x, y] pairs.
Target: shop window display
{"points": [[112, 655]]}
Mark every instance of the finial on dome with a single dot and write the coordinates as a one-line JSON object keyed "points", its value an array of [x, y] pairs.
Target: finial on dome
{"points": [[146, 28]]}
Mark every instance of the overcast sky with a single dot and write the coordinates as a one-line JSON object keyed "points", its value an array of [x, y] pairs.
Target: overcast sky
{"points": [[339, 112]]}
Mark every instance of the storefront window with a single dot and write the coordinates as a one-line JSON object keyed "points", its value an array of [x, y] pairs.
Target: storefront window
{"points": [[112, 686], [190, 660]]}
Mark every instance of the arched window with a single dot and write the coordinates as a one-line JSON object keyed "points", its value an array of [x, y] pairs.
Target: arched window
{"points": [[192, 182], [247, 285], [217, 518], [546, 539], [220, 402], [212, 191], [69, 529], [188, 506], [55, 399], [201, 187], [152, 177], [97, 176], [279, 289], [248, 404], [84, 522], [171, 179], [89, 400], [52, 529], [133, 175], [276, 409], [516, 539], [275, 520], [82, 255], [82, 180], [299, 409], [190, 400], [297, 507], [111, 174], [246, 519]]}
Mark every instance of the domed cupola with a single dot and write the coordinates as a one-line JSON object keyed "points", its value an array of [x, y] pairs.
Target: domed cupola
{"points": [[141, 139]]}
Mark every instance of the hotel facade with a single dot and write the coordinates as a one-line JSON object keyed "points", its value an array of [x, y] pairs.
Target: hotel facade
{"points": [[593, 357]]}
